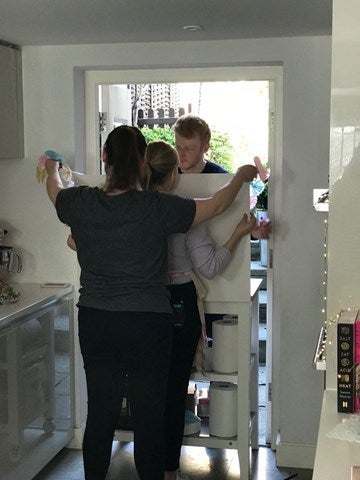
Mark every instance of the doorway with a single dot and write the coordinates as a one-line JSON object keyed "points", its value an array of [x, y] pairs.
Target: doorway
{"points": [[273, 77], [236, 111]]}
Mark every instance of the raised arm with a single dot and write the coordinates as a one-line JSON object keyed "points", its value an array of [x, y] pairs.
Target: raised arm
{"points": [[53, 181], [208, 258], [207, 208], [71, 243]]}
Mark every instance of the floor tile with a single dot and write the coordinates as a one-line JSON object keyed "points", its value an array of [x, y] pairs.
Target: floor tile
{"points": [[198, 463]]}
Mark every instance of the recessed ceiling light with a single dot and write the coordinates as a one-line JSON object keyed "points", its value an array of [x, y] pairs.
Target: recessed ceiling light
{"points": [[192, 28]]}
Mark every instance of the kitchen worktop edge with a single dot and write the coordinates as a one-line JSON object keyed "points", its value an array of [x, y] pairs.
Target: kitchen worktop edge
{"points": [[32, 297]]}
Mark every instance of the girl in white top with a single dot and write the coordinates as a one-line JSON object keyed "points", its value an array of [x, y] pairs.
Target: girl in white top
{"points": [[187, 252]]}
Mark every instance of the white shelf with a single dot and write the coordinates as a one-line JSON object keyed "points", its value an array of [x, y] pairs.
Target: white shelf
{"points": [[201, 440], [320, 365], [319, 361], [212, 376], [246, 377], [320, 206], [210, 442]]}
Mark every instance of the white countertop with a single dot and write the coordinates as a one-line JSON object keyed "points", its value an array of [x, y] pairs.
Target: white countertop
{"points": [[32, 296], [334, 458]]}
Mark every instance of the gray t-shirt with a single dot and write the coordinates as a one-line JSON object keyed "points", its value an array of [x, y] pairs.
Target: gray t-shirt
{"points": [[195, 250], [122, 244]]}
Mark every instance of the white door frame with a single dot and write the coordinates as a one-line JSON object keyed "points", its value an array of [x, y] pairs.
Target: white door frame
{"points": [[273, 74]]}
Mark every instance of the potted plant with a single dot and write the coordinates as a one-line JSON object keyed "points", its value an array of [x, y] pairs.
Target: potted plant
{"points": [[262, 214], [262, 199]]}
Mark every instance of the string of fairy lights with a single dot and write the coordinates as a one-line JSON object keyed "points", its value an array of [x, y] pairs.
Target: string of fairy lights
{"points": [[325, 338], [321, 347]]}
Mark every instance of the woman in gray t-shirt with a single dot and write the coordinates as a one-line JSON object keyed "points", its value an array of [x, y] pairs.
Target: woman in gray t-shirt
{"points": [[124, 310]]}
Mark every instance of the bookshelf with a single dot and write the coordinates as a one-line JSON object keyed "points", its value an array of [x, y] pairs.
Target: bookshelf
{"points": [[343, 446]]}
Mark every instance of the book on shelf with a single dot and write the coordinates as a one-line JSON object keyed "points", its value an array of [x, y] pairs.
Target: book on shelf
{"points": [[348, 361]]}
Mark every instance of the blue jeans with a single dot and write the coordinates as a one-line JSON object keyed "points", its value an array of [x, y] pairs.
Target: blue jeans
{"points": [[115, 345]]}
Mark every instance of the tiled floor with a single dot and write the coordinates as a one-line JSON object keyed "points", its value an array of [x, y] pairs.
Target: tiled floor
{"points": [[197, 462]]}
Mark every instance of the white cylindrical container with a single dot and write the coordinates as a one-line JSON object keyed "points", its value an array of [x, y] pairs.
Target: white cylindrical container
{"points": [[223, 409], [225, 345]]}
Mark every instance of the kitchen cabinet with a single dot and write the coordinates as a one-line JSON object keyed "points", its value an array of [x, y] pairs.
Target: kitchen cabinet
{"points": [[36, 405], [246, 378], [11, 111]]}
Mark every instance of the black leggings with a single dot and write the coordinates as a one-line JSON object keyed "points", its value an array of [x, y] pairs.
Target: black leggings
{"points": [[113, 345], [184, 347]]}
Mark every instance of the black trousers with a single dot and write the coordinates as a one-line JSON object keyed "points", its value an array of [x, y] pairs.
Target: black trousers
{"points": [[115, 345], [185, 341]]}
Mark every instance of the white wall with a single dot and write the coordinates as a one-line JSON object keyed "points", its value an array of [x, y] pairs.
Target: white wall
{"points": [[48, 75], [344, 228]]}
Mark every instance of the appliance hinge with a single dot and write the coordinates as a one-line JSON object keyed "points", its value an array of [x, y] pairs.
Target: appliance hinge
{"points": [[270, 392], [272, 120], [102, 121]]}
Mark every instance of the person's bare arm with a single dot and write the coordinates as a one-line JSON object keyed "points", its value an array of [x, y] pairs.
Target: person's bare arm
{"points": [[71, 243], [244, 227], [207, 258], [262, 230], [207, 208], [53, 181]]}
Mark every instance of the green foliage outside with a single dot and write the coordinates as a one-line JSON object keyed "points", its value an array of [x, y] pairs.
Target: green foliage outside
{"points": [[221, 151], [154, 134]]}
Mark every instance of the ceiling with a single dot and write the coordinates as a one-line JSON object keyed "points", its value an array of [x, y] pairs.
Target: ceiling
{"points": [[64, 22]]}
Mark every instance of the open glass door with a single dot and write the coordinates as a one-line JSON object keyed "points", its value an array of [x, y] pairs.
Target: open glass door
{"points": [[102, 115]]}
